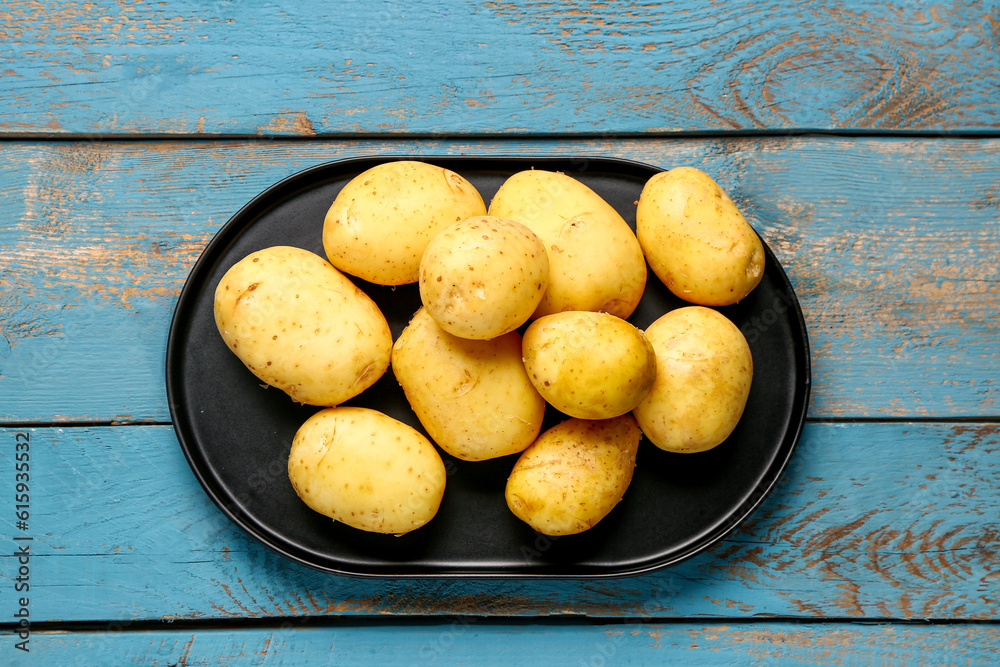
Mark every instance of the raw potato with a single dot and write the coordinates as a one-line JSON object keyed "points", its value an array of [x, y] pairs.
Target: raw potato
{"points": [[473, 397], [483, 277], [595, 261], [574, 474], [367, 470], [302, 326], [381, 221], [588, 365], [703, 374], [696, 240]]}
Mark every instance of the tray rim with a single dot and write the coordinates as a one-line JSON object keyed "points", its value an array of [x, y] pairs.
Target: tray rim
{"points": [[233, 227]]}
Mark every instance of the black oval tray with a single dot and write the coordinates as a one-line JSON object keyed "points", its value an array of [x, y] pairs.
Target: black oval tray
{"points": [[236, 433]]}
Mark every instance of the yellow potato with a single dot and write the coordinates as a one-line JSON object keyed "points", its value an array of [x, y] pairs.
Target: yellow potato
{"points": [[696, 240], [703, 374], [302, 326], [473, 397], [595, 261], [588, 365], [381, 221], [483, 277], [367, 470], [574, 474]]}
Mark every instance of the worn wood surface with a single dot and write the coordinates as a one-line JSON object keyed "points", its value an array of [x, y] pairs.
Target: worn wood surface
{"points": [[468, 642], [495, 67], [891, 245], [131, 131], [857, 528]]}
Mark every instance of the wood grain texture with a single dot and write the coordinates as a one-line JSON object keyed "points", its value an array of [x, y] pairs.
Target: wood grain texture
{"points": [[891, 246], [468, 642], [870, 521], [495, 67]]}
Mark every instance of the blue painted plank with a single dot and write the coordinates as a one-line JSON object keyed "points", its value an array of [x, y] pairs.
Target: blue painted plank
{"points": [[870, 521], [890, 244], [533, 66], [470, 642]]}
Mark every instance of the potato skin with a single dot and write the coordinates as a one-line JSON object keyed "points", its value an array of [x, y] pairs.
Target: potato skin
{"points": [[483, 277], [381, 221], [574, 474], [473, 397], [588, 365], [367, 470], [704, 370], [302, 326], [595, 261], [696, 240]]}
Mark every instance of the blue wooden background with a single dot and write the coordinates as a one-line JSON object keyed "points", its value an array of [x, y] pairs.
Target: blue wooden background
{"points": [[511, 68], [862, 142]]}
